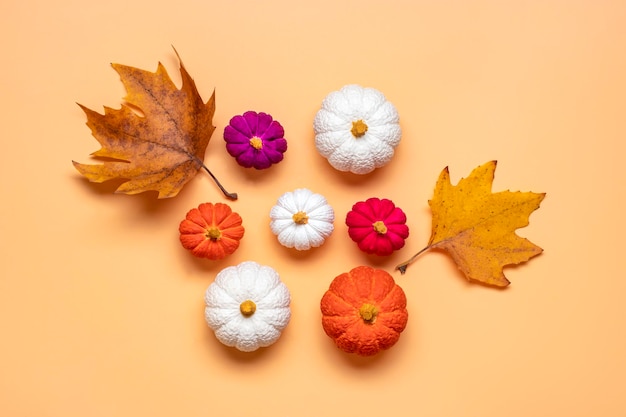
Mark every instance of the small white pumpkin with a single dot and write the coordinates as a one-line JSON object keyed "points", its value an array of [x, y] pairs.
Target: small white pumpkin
{"points": [[357, 129], [302, 219], [247, 306]]}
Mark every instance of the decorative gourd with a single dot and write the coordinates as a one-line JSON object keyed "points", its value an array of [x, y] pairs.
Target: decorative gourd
{"points": [[377, 226], [211, 231], [364, 311], [357, 129], [302, 219], [247, 306], [255, 140]]}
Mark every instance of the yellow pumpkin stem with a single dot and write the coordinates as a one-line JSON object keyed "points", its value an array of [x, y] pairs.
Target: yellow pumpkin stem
{"points": [[300, 218], [213, 233], [380, 227], [247, 308], [358, 128], [368, 313], [256, 142]]}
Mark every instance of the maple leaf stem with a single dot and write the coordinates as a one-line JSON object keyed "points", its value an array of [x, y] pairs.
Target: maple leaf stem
{"points": [[232, 196], [404, 265]]}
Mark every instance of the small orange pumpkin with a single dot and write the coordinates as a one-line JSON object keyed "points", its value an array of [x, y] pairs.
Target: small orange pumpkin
{"points": [[364, 311], [211, 231]]}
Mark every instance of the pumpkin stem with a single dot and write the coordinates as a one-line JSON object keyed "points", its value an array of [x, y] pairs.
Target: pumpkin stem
{"points": [[380, 227], [213, 233], [300, 218], [368, 313], [358, 128], [247, 308], [256, 142]]}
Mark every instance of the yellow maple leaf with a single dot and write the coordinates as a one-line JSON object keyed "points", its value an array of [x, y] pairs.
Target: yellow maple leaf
{"points": [[159, 150], [477, 227]]}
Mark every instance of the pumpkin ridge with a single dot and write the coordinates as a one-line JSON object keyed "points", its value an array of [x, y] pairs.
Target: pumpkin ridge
{"points": [[195, 217], [252, 121], [358, 216], [270, 292], [395, 291], [400, 232], [387, 320], [339, 298], [239, 124], [232, 222], [264, 121], [371, 113], [279, 327], [396, 216], [384, 207], [224, 293], [233, 233], [235, 137]]}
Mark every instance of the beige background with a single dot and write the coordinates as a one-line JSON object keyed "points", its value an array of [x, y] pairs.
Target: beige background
{"points": [[101, 309]]}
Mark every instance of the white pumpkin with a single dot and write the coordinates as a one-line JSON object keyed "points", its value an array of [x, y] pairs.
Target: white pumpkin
{"points": [[357, 129], [247, 306], [302, 219]]}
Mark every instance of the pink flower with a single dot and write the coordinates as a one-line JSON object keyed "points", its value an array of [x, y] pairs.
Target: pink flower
{"points": [[255, 140], [377, 226]]}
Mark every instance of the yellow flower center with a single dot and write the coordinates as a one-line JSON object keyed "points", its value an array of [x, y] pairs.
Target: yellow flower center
{"points": [[213, 233], [300, 218], [368, 313], [247, 308], [256, 142], [380, 227], [358, 128]]}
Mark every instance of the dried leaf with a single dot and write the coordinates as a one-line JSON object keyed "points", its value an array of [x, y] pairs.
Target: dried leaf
{"points": [[477, 227], [159, 150]]}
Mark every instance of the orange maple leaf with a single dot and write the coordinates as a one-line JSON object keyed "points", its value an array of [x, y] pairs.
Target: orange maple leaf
{"points": [[477, 227], [159, 150]]}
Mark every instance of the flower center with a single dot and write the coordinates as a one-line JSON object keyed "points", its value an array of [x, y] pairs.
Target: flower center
{"points": [[213, 233], [368, 313], [256, 142], [300, 218], [358, 128], [380, 227], [247, 308]]}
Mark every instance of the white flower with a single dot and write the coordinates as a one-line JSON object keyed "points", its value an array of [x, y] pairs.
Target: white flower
{"points": [[302, 219], [247, 306]]}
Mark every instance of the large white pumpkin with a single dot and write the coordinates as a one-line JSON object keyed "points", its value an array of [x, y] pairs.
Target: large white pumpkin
{"points": [[247, 306], [357, 129]]}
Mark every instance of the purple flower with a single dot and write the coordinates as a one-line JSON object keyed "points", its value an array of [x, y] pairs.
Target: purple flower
{"points": [[255, 140]]}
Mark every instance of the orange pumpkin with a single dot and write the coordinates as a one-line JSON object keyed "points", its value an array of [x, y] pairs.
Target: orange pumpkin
{"points": [[364, 311], [211, 231]]}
